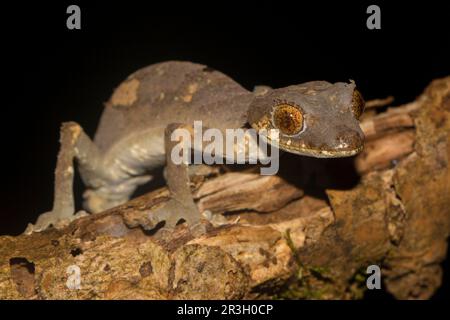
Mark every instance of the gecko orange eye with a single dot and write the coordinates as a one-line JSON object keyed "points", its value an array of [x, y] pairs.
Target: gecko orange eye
{"points": [[288, 119], [357, 104]]}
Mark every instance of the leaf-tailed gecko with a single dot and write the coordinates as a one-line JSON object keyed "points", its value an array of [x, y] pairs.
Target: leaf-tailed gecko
{"points": [[316, 119]]}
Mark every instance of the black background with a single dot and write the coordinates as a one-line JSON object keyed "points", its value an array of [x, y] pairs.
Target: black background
{"points": [[53, 74]]}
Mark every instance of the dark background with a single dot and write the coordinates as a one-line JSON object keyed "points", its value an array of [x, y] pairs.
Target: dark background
{"points": [[54, 74]]}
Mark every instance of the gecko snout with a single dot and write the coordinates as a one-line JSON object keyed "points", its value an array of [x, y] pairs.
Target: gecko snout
{"points": [[350, 140]]}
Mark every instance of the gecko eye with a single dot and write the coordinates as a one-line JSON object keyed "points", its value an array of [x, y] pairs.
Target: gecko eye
{"points": [[357, 104], [288, 119]]}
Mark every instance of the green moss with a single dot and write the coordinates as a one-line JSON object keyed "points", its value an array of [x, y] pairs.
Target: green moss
{"points": [[358, 286], [309, 282]]}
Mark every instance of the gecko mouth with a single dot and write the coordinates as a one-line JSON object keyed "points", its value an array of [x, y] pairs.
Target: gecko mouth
{"points": [[346, 144], [319, 152]]}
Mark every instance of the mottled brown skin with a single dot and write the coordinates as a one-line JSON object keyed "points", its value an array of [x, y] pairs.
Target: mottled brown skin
{"points": [[328, 113], [319, 119]]}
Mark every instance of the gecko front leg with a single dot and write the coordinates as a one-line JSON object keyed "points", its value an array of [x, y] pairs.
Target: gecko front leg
{"points": [[74, 144], [181, 204]]}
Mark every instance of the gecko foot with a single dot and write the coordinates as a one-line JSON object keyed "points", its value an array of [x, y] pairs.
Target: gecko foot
{"points": [[172, 212], [52, 218]]}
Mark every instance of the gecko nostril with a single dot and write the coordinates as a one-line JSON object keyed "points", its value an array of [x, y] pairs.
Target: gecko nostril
{"points": [[349, 139]]}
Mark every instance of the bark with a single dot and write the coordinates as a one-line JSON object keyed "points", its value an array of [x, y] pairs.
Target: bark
{"points": [[285, 238]]}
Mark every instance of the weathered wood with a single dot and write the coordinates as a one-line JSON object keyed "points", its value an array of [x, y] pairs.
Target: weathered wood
{"points": [[377, 103], [281, 241]]}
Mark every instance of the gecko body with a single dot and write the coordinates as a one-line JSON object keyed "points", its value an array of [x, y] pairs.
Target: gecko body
{"points": [[316, 119]]}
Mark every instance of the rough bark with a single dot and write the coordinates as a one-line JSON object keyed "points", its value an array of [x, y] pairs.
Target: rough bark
{"points": [[284, 240]]}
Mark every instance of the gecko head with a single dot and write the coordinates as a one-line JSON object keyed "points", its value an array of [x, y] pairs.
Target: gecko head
{"points": [[317, 119]]}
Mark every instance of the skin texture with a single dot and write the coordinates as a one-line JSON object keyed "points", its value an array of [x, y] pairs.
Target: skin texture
{"points": [[133, 137]]}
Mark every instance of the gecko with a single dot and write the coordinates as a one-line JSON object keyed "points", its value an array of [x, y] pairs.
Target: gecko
{"points": [[316, 119]]}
